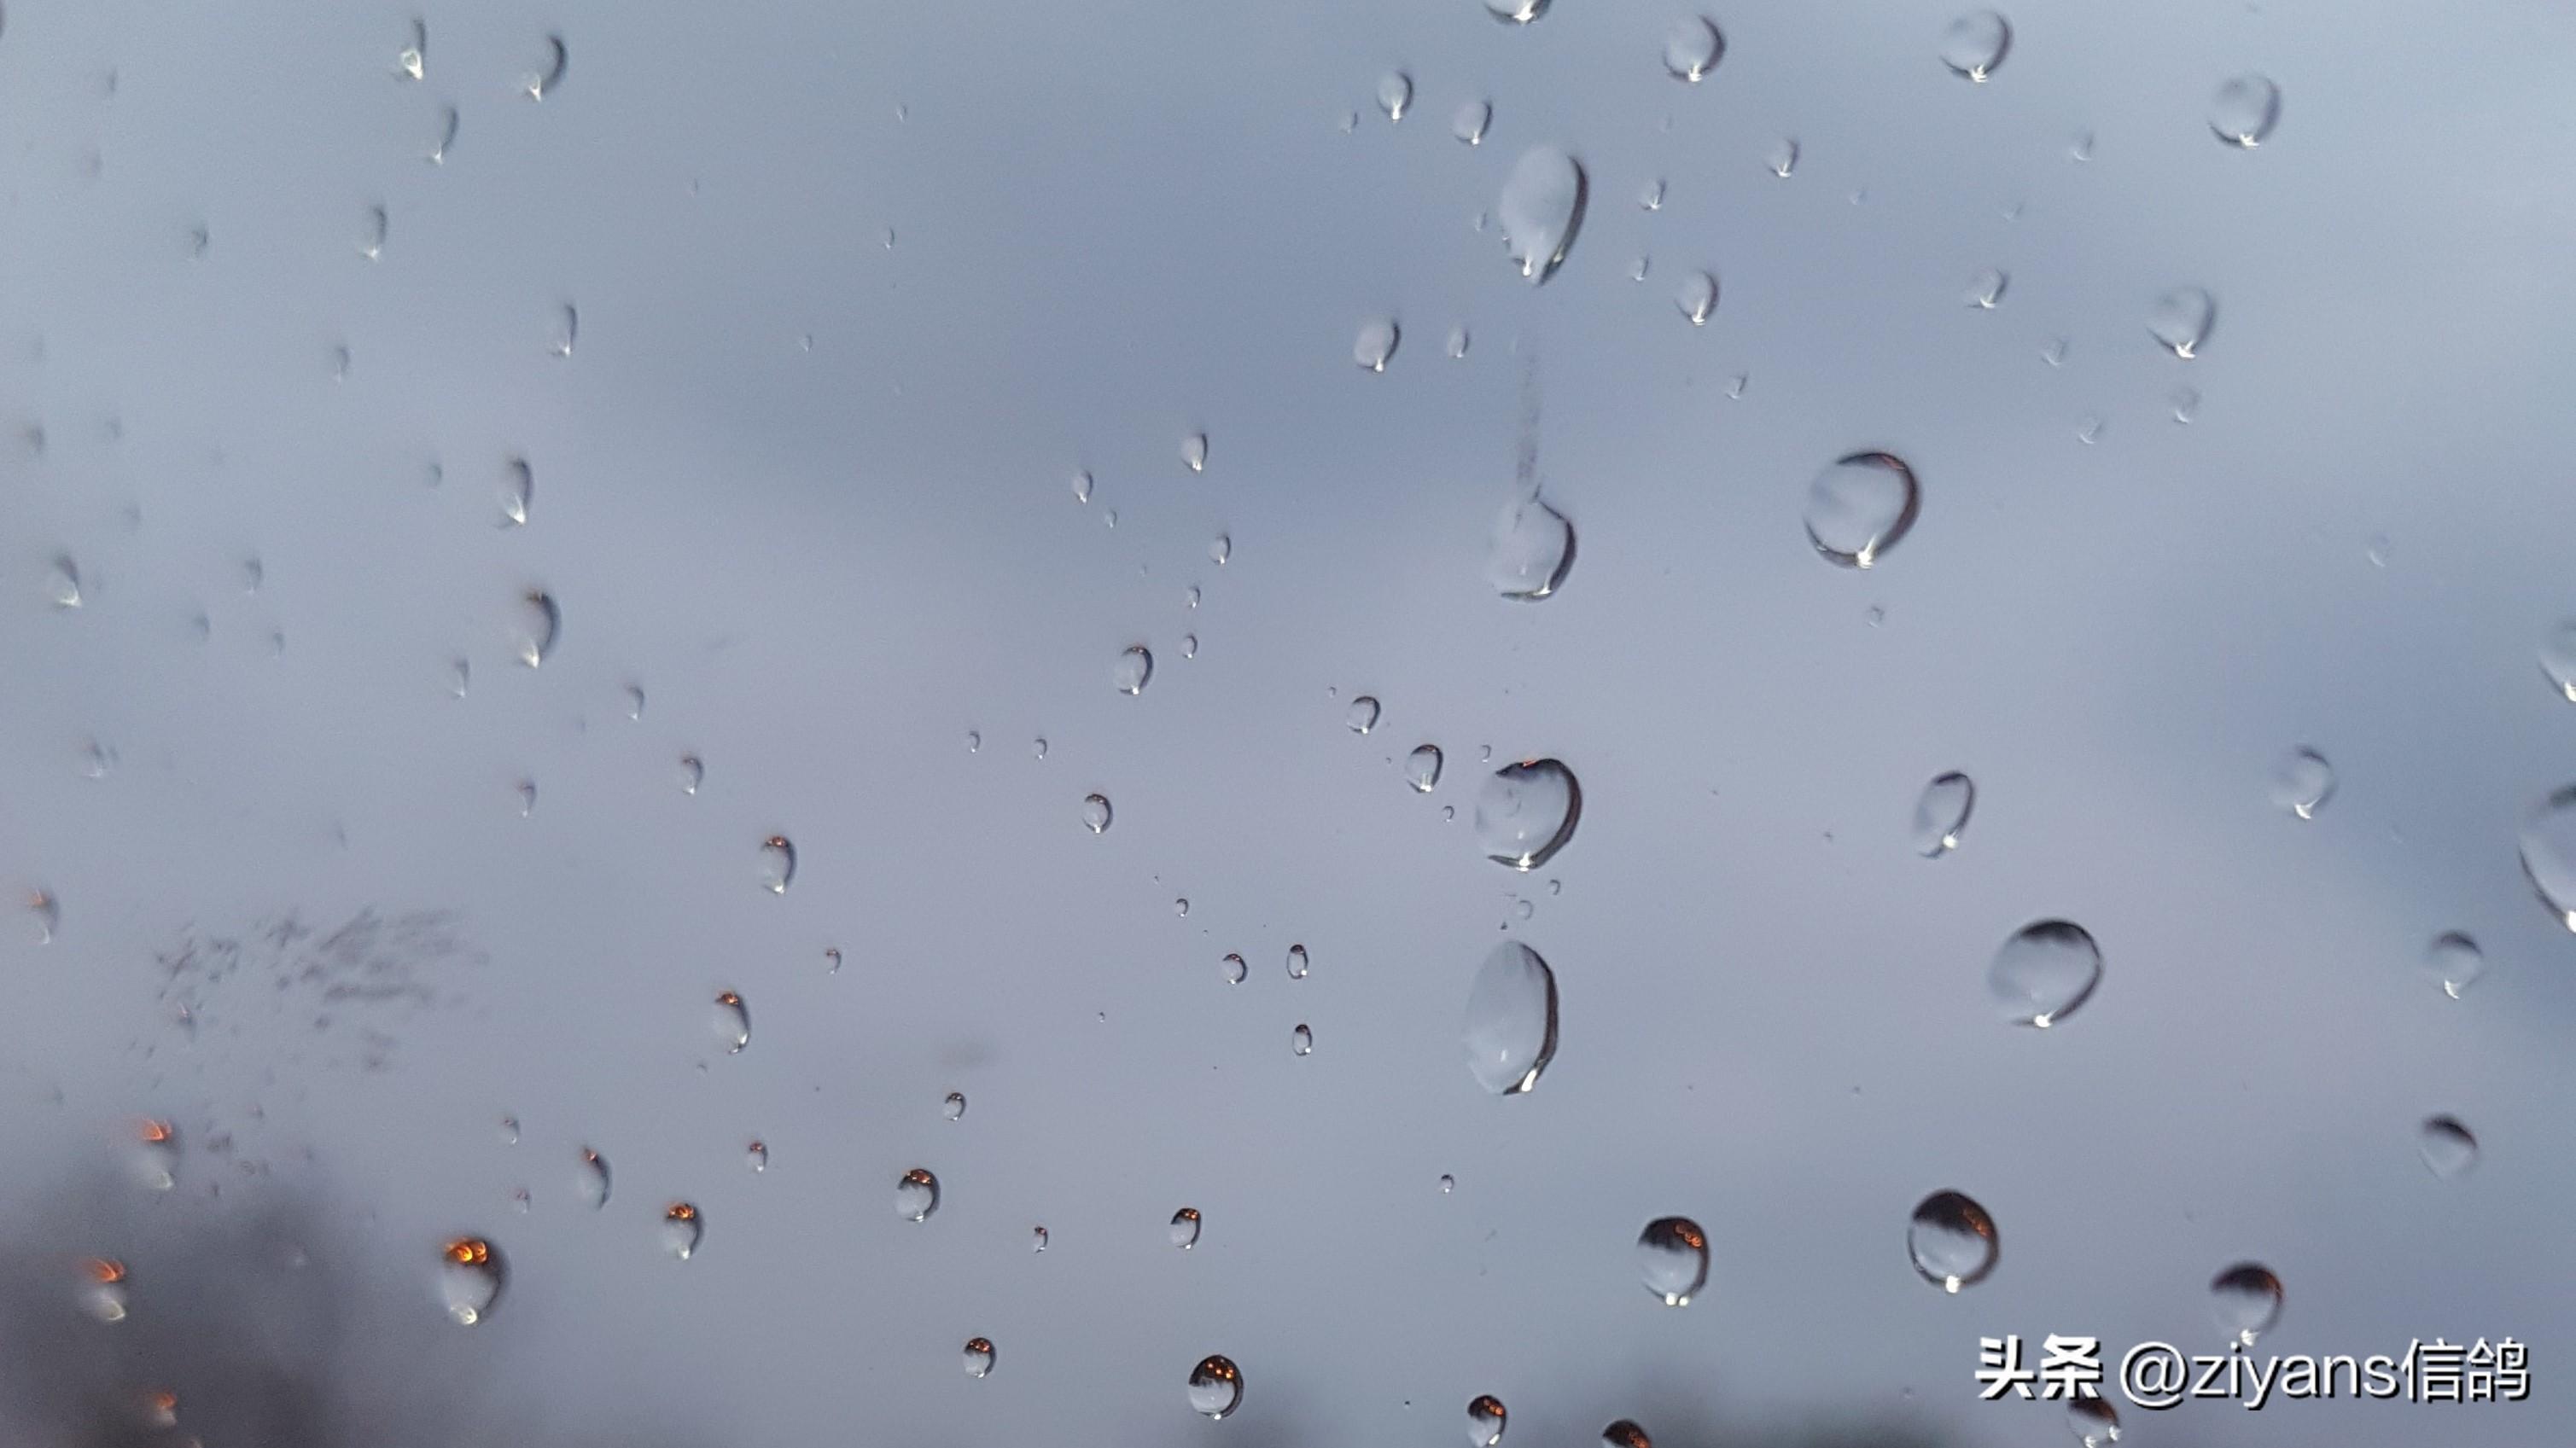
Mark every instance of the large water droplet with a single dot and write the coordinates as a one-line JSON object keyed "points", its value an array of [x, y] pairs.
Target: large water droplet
{"points": [[1952, 1241], [1697, 297], [1531, 551], [1485, 1421], [2246, 1300], [2181, 319], [541, 82], [1095, 812], [534, 625], [2095, 1421], [1235, 969], [1672, 1258], [979, 1356], [1860, 507], [2044, 972], [1376, 344], [1526, 812], [731, 1022], [777, 864], [1394, 93], [1975, 44], [916, 1195], [1422, 768], [2244, 110], [1511, 1019], [1469, 123], [1942, 813], [1362, 715], [2448, 1148], [1692, 48], [2302, 782], [1132, 670], [470, 1277], [2453, 961], [1216, 1384], [1185, 1228], [1541, 209], [1626, 1434], [591, 1179], [681, 1229], [2549, 852]]}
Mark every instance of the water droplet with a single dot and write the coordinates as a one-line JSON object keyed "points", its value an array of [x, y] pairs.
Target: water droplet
{"points": [[2185, 403], [1095, 812], [1860, 507], [1485, 1417], [916, 1195], [2244, 110], [1422, 768], [1037, 1239], [371, 233], [1394, 93], [518, 488], [1082, 487], [1637, 273], [1216, 1385], [1189, 646], [567, 331], [1692, 48], [2095, 1421], [1362, 715], [470, 1276], [1511, 1020], [533, 626], [1194, 452], [1458, 340], [755, 1155], [2246, 1299], [527, 798], [1302, 1040], [2448, 1148], [591, 1179], [1469, 123], [1697, 297], [1298, 963], [777, 864], [541, 82], [2044, 972], [1975, 44], [974, 740], [1672, 1258], [62, 584], [634, 702], [1531, 550], [1376, 344], [2054, 354], [832, 957], [448, 121], [1448, 1183], [2453, 961], [689, 773], [1526, 812], [1133, 669], [1987, 289], [1626, 1434], [2302, 782], [103, 1294], [1039, 749], [1190, 596], [979, 1356], [460, 674], [2558, 658], [1650, 197], [1952, 1241], [2181, 319], [953, 1107], [408, 62], [2549, 852], [509, 1131], [1784, 160], [1941, 813], [681, 1229], [156, 1155], [731, 1022], [1220, 548], [1185, 1228], [1541, 209]]}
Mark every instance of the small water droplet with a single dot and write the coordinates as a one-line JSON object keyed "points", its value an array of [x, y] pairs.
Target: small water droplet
{"points": [[1220, 548], [2454, 961], [567, 331], [1526, 812], [916, 1195], [1394, 93], [1987, 289], [104, 1291], [1376, 343], [731, 1022], [1189, 646], [1485, 1421], [777, 864], [534, 625], [591, 1180], [541, 82], [1692, 49], [2089, 430], [1297, 962], [689, 774], [2181, 320], [2095, 1421], [1185, 1228], [1975, 43], [1672, 1258], [518, 489], [954, 1106], [1362, 715], [1697, 297], [1082, 487], [979, 1356], [832, 958], [1194, 452], [97, 760], [1216, 1385], [1458, 340], [2054, 354], [1650, 197], [1422, 768], [1448, 1183], [156, 1155], [371, 233], [470, 1277], [2246, 1300], [1952, 1241], [1541, 209], [1861, 506], [681, 1230], [2185, 403], [1038, 748], [1037, 1239], [408, 62], [62, 584], [1469, 123], [755, 1155], [1625, 1434], [1095, 812], [2244, 110], [1510, 1029], [527, 798], [1301, 1041], [1235, 969], [1942, 813], [634, 701], [448, 121], [2302, 782], [1132, 670], [974, 741]]}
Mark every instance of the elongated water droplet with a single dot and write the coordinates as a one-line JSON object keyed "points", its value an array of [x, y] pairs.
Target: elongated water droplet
{"points": [[1301, 1041], [1362, 715], [1975, 44], [1626, 1434], [549, 74], [62, 583], [689, 773], [410, 60], [1952, 1241], [731, 1022], [682, 1227], [534, 626], [1298, 963], [1672, 1259], [1220, 548], [1095, 813], [1422, 768], [1692, 48], [2558, 658], [777, 864], [1485, 1421], [1469, 123], [371, 233], [1132, 670], [2448, 1148], [1511, 1020], [1037, 1239], [2453, 961], [1942, 813], [1541, 209], [2181, 319], [1216, 1385], [1394, 93], [1235, 969], [1860, 507], [2246, 1300], [567, 330], [1458, 341], [916, 1195], [591, 1179], [1194, 452], [470, 1277], [755, 1154], [518, 490], [448, 121], [979, 1356], [1784, 157], [2044, 972], [1184, 1232], [2302, 782], [1697, 297], [2244, 110], [1987, 289], [2095, 1421], [2549, 852], [1526, 812], [1376, 344]]}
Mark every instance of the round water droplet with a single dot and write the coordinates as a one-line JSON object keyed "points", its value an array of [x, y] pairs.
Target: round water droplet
{"points": [[1095, 812], [1485, 1421], [1526, 812], [2044, 972], [1697, 297], [974, 740], [1975, 44], [1376, 344], [591, 1179], [1626, 1434], [689, 774], [2244, 110], [1531, 551], [2448, 1148], [541, 82], [103, 1289], [1511, 1020], [1394, 93], [2181, 320], [979, 1356], [1541, 209], [756, 1155], [1692, 48], [1235, 969], [1185, 1228], [1942, 813], [1038, 749], [1987, 289], [1952, 1241], [1448, 1183], [518, 490], [1301, 1041], [2558, 658], [955, 1106], [681, 1229], [2453, 961], [1422, 768], [1860, 507], [1194, 450], [777, 864], [2246, 1300], [2095, 1421], [1216, 1385], [2302, 782], [470, 1277], [1189, 646], [1362, 715], [1469, 123], [1133, 670], [731, 1022], [916, 1195], [1297, 962], [1784, 157], [1672, 1258]]}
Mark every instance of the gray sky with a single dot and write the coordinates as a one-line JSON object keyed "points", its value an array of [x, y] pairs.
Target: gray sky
{"points": [[1113, 227]]}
